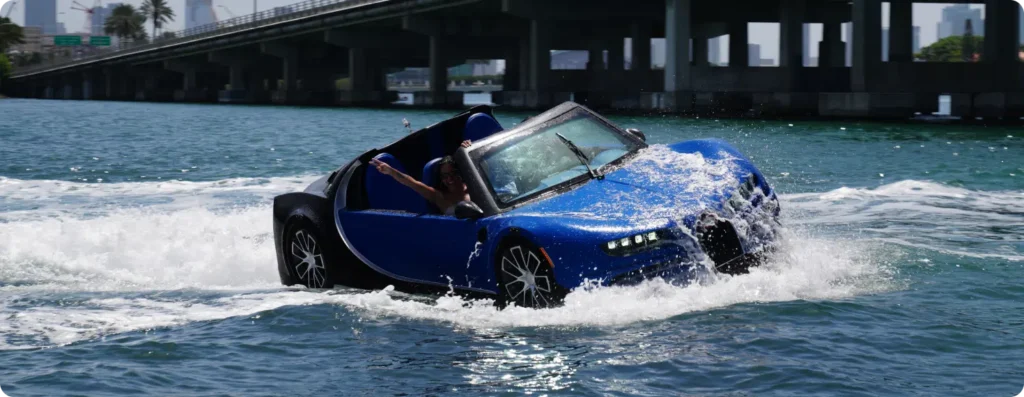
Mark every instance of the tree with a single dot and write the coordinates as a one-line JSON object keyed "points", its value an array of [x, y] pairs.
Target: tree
{"points": [[126, 23], [949, 49], [968, 43], [10, 34], [159, 12], [5, 69]]}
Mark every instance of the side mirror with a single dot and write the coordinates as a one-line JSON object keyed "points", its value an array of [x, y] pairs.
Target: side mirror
{"points": [[468, 210], [637, 133]]}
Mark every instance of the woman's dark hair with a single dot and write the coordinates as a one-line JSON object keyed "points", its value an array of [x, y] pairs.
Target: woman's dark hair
{"points": [[440, 178]]}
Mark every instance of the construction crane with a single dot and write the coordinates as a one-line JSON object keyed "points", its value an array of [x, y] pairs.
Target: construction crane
{"points": [[89, 12], [9, 9], [230, 14]]}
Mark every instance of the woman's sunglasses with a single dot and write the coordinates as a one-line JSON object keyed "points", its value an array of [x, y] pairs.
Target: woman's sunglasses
{"points": [[454, 175]]}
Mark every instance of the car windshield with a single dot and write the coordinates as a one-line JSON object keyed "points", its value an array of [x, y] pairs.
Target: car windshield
{"points": [[541, 160]]}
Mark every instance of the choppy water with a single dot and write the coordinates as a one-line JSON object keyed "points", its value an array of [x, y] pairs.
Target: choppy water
{"points": [[136, 258]]}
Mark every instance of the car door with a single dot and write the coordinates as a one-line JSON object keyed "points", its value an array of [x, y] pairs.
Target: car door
{"points": [[454, 249], [422, 248]]}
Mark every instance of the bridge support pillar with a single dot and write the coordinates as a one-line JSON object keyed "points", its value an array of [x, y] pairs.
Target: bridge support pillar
{"points": [[832, 49], [237, 90], [1001, 54], [678, 93], [513, 69], [366, 80], [72, 87], [438, 95], [901, 31], [616, 65], [700, 50], [288, 91], [87, 86], [640, 66], [115, 84], [146, 86], [867, 42], [739, 54], [533, 90], [50, 88], [539, 52], [791, 29], [190, 89]]}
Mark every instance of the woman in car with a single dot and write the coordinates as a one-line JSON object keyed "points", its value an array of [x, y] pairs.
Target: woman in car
{"points": [[450, 192]]}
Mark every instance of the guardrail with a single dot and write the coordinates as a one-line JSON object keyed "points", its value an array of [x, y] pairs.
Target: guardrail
{"points": [[245, 22]]}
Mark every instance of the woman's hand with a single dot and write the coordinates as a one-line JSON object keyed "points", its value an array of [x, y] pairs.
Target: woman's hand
{"points": [[383, 168], [466, 143]]}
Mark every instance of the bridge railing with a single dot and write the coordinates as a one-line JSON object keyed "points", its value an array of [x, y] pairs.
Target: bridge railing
{"points": [[245, 22]]}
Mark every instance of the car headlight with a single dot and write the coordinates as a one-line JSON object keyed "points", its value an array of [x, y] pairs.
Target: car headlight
{"points": [[633, 243]]}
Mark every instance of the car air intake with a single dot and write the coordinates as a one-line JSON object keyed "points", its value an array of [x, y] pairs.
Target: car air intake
{"points": [[720, 242]]}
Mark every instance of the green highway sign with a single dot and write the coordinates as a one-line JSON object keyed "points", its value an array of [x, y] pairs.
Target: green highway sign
{"points": [[99, 40], [67, 40]]}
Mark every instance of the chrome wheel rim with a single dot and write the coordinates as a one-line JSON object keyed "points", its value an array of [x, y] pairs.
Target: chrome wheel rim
{"points": [[525, 285], [310, 263]]}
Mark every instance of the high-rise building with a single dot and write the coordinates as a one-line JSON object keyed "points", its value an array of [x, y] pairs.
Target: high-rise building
{"points": [[953, 18], [198, 13], [917, 40], [885, 45], [806, 49], [32, 40], [715, 51], [1020, 40], [42, 13], [849, 44], [99, 16], [753, 55]]}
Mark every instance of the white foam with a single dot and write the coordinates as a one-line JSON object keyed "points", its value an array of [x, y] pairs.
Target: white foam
{"points": [[47, 326], [921, 214], [809, 269], [36, 199], [162, 246]]}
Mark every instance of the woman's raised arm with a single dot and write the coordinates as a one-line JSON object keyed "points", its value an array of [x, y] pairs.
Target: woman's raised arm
{"points": [[427, 192]]}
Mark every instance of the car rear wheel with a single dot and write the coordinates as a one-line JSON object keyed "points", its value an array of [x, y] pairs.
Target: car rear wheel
{"points": [[305, 255], [526, 278]]}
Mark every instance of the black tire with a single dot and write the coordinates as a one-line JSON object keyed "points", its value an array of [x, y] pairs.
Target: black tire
{"points": [[305, 255], [525, 277]]}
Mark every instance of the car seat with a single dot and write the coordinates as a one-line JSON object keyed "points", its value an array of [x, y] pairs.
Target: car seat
{"points": [[480, 126], [432, 179], [384, 192]]}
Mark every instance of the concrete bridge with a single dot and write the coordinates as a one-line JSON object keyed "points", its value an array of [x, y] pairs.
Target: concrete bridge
{"points": [[336, 52]]}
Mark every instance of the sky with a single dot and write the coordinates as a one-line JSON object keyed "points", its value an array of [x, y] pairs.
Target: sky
{"points": [[767, 35]]}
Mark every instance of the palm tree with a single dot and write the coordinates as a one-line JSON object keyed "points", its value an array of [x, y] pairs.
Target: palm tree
{"points": [[10, 34], [125, 22], [159, 12]]}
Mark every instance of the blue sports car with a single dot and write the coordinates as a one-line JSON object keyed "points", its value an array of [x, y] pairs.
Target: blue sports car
{"points": [[562, 200]]}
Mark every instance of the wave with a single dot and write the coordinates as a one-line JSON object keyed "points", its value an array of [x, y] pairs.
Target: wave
{"points": [[920, 214], [202, 239]]}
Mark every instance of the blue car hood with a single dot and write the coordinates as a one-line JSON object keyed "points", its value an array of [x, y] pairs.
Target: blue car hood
{"points": [[659, 183]]}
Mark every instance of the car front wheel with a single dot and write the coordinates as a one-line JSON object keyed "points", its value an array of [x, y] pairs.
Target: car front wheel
{"points": [[526, 278]]}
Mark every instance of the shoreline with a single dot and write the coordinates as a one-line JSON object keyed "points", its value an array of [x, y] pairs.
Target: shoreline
{"points": [[735, 116]]}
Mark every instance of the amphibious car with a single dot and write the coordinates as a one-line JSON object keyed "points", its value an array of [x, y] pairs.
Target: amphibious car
{"points": [[562, 200]]}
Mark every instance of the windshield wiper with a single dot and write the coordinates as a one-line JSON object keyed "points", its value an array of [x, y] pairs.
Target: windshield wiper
{"points": [[582, 157]]}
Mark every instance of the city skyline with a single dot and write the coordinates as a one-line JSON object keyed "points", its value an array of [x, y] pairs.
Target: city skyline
{"points": [[926, 17]]}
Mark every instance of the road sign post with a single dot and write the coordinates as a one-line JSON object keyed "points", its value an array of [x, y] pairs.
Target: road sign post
{"points": [[99, 40], [67, 40]]}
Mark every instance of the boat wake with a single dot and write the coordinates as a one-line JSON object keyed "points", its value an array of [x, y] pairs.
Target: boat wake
{"points": [[68, 276]]}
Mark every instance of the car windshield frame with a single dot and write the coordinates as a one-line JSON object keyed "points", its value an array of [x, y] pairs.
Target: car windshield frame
{"points": [[478, 156]]}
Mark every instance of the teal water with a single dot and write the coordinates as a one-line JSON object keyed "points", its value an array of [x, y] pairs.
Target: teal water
{"points": [[136, 259]]}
